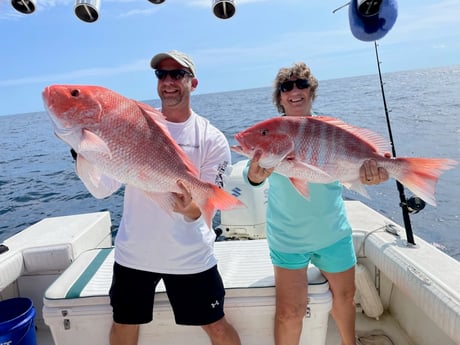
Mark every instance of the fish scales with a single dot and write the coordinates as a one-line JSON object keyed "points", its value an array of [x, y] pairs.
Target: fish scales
{"points": [[323, 149], [129, 142], [324, 145]]}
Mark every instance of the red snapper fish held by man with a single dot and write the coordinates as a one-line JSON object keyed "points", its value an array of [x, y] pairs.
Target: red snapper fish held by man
{"points": [[321, 149], [129, 142]]}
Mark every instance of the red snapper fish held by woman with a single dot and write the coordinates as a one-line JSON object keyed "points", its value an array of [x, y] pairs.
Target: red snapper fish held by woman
{"points": [[129, 142], [321, 149]]}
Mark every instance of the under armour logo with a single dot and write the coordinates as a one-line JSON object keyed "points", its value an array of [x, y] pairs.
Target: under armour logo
{"points": [[215, 304]]}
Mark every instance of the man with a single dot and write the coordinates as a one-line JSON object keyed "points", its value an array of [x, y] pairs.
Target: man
{"points": [[151, 245]]}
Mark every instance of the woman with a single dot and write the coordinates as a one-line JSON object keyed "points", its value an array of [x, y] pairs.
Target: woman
{"points": [[301, 231]]}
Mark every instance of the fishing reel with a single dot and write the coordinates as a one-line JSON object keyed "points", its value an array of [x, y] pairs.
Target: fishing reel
{"points": [[414, 204]]}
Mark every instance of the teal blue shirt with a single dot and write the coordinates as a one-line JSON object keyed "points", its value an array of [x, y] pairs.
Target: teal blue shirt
{"points": [[297, 225]]}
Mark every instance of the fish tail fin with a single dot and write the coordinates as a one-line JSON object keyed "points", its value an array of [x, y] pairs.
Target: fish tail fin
{"points": [[218, 199], [420, 175]]}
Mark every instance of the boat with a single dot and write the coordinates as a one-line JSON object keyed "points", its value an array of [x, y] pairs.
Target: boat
{"points": [[406, 294]]}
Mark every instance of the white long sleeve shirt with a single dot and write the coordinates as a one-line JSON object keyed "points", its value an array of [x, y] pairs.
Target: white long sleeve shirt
{"points": [[148, 238]]}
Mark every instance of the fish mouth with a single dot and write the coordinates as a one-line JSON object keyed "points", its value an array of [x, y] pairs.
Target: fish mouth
{"points": [[237, 149], [61, 129], [239, 137], [243, 145], [244, 148], [246, 152], [45, 95]]}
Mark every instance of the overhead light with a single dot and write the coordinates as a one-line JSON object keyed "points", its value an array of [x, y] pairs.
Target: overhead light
{"points": [[87, 10], [24, 6], [223, 9], [157, 2]]}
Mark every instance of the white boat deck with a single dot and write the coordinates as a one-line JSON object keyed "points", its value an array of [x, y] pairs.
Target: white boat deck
{"points": [[418, 286]]}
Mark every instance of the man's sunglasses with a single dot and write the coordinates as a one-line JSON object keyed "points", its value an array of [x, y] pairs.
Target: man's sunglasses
{"points": [[289, 85], [175, 74]]}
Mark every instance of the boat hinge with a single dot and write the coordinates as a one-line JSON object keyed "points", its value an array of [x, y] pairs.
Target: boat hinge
{"points": [[66, 322], [308, 313]]}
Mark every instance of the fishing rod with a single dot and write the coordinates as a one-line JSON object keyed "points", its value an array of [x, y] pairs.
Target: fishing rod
{"points": [[364, 30], [413, 204]]}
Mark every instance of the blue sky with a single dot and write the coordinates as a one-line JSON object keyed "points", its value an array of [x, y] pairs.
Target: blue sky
{"points": [[52, 46]]}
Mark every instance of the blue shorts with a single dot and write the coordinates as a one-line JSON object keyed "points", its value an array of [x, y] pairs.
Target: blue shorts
{"points": [[196, 299], [338, 257]]}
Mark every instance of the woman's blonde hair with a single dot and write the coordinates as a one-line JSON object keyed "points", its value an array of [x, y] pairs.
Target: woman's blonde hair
{"points": [[300, 71]]}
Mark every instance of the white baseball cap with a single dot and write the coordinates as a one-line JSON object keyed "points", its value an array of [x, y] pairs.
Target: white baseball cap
{"points": [[181, 58]]}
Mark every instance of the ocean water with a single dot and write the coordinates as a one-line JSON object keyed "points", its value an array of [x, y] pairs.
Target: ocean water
{"points": [[37, 177]]}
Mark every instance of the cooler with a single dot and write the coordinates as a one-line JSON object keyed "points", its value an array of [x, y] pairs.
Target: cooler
{"points": [[77, 309]]}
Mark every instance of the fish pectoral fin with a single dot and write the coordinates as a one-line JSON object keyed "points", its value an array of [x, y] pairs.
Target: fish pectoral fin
{"points": [[356, 186], [91, 142], [301, 186], [316, 173], [91, 177], [308, 172]]}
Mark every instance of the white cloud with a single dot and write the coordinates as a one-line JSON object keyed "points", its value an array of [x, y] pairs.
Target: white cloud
{"points": [[139, 12], [134, 66]]}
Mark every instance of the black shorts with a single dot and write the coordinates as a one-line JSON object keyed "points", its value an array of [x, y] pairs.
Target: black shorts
{"points": [[196, 299]]}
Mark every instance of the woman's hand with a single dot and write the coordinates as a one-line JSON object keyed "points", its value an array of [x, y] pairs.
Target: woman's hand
{"points": [[257, 174], [370, 173]]}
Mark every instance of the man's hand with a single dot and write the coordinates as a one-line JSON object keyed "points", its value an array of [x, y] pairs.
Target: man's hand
{"points": [[184, 204]]}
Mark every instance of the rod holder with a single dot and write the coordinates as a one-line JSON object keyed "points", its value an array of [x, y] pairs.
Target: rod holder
{"points": [[223, 9], [87, 10], [24, 6]]}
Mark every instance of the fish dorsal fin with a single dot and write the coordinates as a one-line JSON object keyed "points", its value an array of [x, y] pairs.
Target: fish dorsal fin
{"points": [[156, 118], [154, 114], [378, 142]]}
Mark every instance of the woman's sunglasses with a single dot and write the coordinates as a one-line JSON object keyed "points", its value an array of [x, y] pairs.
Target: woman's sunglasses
{"points": [[289, 85], [175, 74]]}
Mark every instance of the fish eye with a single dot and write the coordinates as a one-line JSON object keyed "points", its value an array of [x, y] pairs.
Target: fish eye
{"points": [[264, 132], [75, 92]]}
